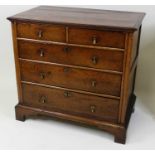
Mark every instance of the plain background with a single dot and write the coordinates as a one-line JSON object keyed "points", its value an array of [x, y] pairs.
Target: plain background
{"points": [[49, 134]]}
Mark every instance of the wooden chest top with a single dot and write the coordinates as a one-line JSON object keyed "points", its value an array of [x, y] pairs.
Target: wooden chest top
{"points": [[128, 21]]}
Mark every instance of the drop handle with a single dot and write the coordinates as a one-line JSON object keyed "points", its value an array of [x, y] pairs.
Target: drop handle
{"points": [[94, 83], [94, 60], [43, 75], [94, 40], [43, 99], [93, 108], [40, 34], [41, 53]]}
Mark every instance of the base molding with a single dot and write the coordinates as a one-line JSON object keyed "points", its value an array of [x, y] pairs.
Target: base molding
{"points": [[118, 130]]}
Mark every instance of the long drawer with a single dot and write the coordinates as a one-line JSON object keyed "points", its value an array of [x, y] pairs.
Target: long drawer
{"points": [[41, 32], [87, 57], [68, 77], [70, 102]]}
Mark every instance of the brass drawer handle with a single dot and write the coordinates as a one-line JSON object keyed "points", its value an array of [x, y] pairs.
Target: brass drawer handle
{"points": [[94, 83], [40, 34], [66, 49], [94, 60], [42, 99], [94, 40], [41, 53], [93, 108], [67, 94], [43, 75]]}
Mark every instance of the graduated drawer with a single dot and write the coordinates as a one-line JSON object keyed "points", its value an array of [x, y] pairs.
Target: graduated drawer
{"points": [[97, 38], [41, 32], [87, 57], [52, 99], [73, 78]]}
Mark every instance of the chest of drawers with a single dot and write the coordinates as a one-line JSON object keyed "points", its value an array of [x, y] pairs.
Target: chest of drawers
{"points": [[77, 65]]}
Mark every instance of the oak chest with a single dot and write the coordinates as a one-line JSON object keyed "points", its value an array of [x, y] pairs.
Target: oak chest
{"points": [[77, 65]]}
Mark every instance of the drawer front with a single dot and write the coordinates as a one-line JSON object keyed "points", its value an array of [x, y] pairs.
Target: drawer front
{"points": [[92, 81], [87, 57], [41, 32], [97, 38], [74, 103]]}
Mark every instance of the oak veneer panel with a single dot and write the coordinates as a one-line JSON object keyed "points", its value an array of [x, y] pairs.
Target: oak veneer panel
{"points": [[41, 32], [68, 77], [74, 103], [135, 50], [63, 54], [102, 38]]}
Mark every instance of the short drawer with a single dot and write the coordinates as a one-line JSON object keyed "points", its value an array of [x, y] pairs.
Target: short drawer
{"points": [[86, 57], [41, 32], [68, 77], [70, 102], [97, 38]]}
